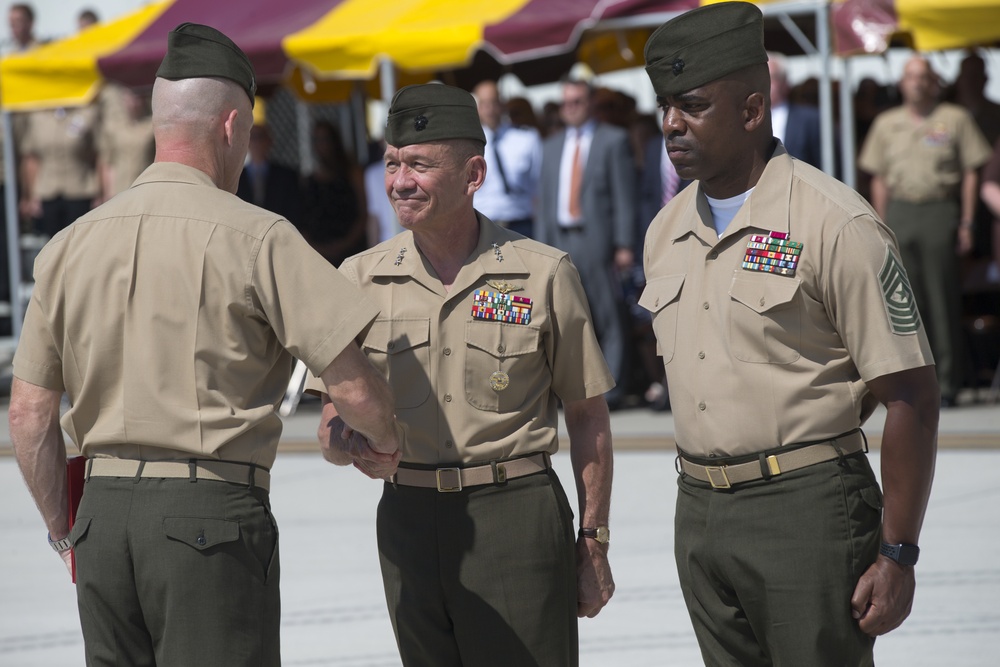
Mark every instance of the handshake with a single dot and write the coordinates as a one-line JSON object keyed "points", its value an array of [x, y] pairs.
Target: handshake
{"points": [[342, 445]]}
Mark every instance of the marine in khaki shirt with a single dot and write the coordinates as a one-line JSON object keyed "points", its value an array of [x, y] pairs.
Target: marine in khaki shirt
{"points": [[481, 334], [64, 143], [924, 158], [169, 317], [783, 316]]}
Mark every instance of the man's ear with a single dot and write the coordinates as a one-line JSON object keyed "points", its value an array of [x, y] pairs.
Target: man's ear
{"points": [[475, 173], [229, 126], [754, 111]]}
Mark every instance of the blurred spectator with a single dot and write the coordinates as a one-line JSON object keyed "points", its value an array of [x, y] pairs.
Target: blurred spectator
{"points": [[382, 222], [86, 18], [969, 91], [924, 157], [551, 120], [990, 192], [61, 175], [334, 209], [796, 125], [513, 165], [587, 207], [521, 113], [22, 26], [642, 130], [613, 107], [266, 183], [126, 142]]}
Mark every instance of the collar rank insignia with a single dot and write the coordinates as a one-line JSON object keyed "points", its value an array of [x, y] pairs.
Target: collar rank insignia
{"points": [[501, 307], [773, 253], [503, 286], [496, 251]]}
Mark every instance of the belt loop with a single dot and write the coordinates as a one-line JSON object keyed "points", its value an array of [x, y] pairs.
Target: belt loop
{"points": [[392, 480], [86, 473], [499, 474], [548, 460], [192, 470], [840, 452], [864, 438], [138, 471], [253, 473], [765, 469], [677, 465]]}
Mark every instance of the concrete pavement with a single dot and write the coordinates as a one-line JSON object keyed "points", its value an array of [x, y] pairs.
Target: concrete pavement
{"points": [[333, 609]]}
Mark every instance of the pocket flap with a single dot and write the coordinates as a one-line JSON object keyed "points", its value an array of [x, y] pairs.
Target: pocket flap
{"points": [[661, 291], [762, 293], [395, 336], [79, 529], [201, 533], [500, 339]]}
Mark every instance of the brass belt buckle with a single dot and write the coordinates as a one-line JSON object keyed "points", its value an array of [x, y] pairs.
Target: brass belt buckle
{"points": [[712, 472], [449, 488]]}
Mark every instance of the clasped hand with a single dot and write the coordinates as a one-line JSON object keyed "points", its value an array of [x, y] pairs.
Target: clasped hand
{"points": [[342, 445]]}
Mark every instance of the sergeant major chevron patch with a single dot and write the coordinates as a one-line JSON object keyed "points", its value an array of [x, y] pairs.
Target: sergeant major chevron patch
{"points": [[900, 306]]}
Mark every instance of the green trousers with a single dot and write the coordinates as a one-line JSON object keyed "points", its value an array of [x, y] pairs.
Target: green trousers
{"points": [[768, 568], [485, 577], [175, 573], [927, 234]]}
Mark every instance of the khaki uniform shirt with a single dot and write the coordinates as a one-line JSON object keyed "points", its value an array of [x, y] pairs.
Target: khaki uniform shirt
{"points": [[470, 389], [924, 161], [65, 143], [127, 149], [166, 314], [756, 360]]}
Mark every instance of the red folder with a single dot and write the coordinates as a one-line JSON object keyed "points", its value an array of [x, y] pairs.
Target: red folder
{"points": [[76, 467]]}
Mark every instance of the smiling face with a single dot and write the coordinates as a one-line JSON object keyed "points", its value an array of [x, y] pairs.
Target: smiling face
{"points": [[431, 185], [710, 132]]}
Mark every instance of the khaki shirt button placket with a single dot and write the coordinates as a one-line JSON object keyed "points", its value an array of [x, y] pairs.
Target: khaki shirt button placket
{"points": [[447, 398], [447, 351]]}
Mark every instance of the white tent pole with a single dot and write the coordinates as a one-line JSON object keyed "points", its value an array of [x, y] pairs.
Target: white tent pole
{"points": [[825, 87], [848, 173], [13, 228]]}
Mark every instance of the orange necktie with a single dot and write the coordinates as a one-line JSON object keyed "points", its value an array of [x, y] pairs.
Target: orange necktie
{"points": [[575, 181]]}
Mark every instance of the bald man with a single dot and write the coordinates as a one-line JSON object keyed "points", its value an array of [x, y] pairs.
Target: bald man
{"points": [[513, 165], [924, 158], [170, 316]]}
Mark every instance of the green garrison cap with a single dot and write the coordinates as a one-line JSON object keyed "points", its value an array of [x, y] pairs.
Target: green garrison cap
{"points": [[198, 51], [432, 112], [703, 45]]}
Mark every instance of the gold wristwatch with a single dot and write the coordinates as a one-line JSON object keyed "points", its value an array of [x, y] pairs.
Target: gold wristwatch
{"points": [[601, 534]]}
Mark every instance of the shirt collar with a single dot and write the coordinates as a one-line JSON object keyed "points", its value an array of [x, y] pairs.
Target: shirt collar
{"points": [[766, 209]]}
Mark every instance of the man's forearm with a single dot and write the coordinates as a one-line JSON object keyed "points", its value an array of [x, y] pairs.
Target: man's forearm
{"points": [[363, 399], [970, 197], [589, 427], [41, 452], [909, 447]]}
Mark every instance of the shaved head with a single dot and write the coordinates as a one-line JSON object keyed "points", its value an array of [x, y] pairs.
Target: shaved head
{"points": [[204, 123], [192, 107]]}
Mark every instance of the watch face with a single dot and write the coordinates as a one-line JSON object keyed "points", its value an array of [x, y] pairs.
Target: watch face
{"points": [[908, 554], [603, 534]]}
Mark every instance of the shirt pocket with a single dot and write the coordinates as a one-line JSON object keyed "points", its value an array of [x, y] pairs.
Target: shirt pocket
{"points": [[661, 297], [503, 368], [765, 320], [400, 349]]}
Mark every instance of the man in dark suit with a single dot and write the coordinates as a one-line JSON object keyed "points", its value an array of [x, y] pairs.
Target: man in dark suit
{"points": [[796, 125], [587, 207], [268, 184]]}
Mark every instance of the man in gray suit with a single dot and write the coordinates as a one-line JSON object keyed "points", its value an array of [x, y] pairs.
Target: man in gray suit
{"points": [[587, 207]]}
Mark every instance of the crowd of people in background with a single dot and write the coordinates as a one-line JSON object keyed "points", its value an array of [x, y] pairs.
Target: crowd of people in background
{"points": [[585, 173]]}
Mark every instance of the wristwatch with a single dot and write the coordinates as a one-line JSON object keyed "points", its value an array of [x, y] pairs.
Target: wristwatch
{"points": [[60, 545], [904, 554], [601, 534]]}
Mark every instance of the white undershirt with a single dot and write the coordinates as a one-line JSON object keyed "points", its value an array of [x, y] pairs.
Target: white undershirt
{"points": [[724, 210]]}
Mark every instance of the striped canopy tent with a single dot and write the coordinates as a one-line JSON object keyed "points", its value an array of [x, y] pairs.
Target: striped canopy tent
{"points": [[319, 47], [872, 26]]}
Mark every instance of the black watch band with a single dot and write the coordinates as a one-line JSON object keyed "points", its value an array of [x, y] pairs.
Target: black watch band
{"points": [[904, 554]]}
